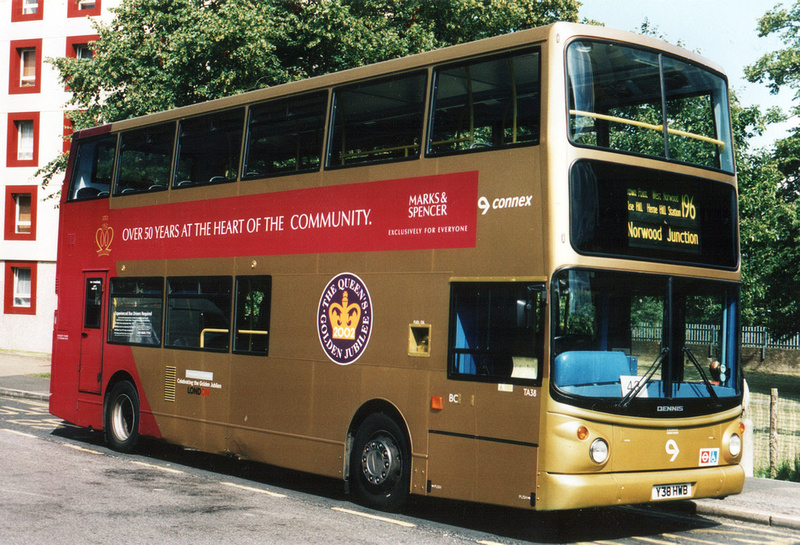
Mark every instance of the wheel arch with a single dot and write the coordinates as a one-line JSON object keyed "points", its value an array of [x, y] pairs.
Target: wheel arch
{"points": [[371, 407], [116, 378]]}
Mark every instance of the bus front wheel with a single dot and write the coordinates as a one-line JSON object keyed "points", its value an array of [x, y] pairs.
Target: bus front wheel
{"points": [[122, 417], [380, 463]]}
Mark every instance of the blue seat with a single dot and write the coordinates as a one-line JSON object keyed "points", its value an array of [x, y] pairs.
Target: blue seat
{"points": [[591, 367]]}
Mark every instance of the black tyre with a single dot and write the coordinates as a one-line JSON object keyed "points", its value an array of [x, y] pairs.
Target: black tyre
{"points": [[122, 417], [380, 464]]}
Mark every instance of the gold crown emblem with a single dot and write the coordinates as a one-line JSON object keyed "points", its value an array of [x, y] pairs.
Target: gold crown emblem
{"points": [[103, 236], [344, 318]]}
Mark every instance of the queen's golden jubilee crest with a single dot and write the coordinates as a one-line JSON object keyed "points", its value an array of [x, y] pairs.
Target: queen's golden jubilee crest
{"points": [[344, 318]]}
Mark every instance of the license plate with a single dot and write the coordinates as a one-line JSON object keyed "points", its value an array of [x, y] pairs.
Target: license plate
{"points": [[672, 491]]}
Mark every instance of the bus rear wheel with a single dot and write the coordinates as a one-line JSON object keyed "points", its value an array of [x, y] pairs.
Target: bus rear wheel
{"points": [[122, 417], [380, 463]]}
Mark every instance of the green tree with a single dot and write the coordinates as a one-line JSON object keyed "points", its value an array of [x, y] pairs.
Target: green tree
{"points": [[778, 70], [770, 190], [161, 54]]}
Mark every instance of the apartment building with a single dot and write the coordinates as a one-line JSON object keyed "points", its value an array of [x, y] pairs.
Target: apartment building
{"points": [[32, 133]]}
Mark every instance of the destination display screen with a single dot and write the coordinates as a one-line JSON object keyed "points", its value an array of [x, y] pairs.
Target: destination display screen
{"points": [[619, 210], [663, 219]]}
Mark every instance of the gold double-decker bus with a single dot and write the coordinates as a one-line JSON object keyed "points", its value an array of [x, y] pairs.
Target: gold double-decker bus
{"points": [[505, 272]]}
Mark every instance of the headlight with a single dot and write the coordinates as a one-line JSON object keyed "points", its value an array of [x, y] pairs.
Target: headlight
{"points": [[599, 451], [735, 445]]}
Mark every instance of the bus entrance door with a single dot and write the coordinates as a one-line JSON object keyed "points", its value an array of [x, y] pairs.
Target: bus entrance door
{"points": [[91, 364]]}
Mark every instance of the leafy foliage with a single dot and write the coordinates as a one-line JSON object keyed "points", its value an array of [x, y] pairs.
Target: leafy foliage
{"points": [[769, 185], [157, 55]]}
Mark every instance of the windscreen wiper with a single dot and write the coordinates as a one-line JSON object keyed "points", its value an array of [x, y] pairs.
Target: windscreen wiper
{"points": [[633, 392], [712, 394]]}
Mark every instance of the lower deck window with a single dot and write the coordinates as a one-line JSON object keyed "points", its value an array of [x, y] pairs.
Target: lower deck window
{"points": [[496, 330], [198, 312], [253, 297], [136, 307]]}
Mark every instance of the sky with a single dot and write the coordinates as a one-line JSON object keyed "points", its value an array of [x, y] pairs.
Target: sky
{"points": [[724, 31]]}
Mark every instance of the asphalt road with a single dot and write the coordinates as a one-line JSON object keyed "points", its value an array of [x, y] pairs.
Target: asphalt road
{"points": [[60, 484]]}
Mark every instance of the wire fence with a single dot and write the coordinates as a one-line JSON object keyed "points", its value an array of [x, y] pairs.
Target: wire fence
{"points": [[788, 430], [752, 336]]}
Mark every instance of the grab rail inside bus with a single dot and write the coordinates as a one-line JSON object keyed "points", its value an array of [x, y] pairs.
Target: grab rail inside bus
{"points": [[405, 149], [642, 124], [252, 332], [240, 331], [210, 330]]}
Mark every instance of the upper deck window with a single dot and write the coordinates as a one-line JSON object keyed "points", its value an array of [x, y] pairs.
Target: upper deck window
{"points": [[644, 102], [285, 136], [93, 168], [145, 159], [208, 148], [486, 104], [378, 121]]}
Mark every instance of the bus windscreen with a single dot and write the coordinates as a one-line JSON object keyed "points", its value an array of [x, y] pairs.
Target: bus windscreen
{"points": [[641, 101]]}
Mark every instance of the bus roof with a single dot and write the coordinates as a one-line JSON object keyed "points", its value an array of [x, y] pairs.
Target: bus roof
{"points": [[560, 32]]}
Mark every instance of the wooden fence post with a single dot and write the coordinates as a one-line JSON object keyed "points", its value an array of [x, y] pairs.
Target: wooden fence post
{"points": [[773, 433]]}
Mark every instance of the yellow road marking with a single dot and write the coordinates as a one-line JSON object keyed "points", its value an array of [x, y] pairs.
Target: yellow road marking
{"points": [[694, 539], [160, 468], [23, 434], [81, 449], [650, 540], [257, 490], [374, 517], [755, 530]]}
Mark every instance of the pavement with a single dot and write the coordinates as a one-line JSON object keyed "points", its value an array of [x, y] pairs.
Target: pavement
{"points": [[763, 501]]}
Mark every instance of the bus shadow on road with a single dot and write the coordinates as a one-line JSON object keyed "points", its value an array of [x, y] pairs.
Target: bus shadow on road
{"points": [[607, 523], [579, 525]]}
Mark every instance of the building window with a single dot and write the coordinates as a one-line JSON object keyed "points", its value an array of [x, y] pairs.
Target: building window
{"points": [[26, 10], [20, 288], [83, 51], [20, 222], [23, 139], [25, 67], [81, 47], [22, 213], [83, 8]]}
